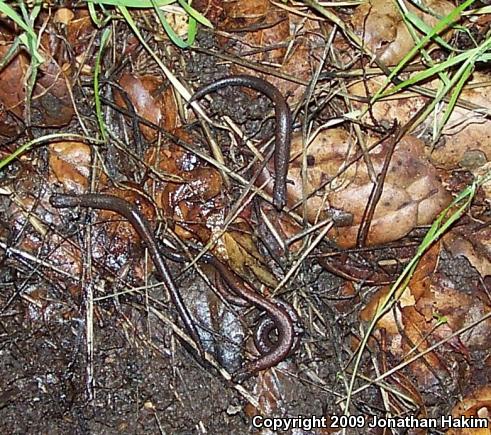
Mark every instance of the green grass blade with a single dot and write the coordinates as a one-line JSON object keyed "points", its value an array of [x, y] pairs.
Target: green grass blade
{"points": [[426, 29], [140, 4], [195, 14], [453, 99], [443, 24], [97, 69], [50, 137], [192, 30], [10, 54], [427, 73], [93, 15]]}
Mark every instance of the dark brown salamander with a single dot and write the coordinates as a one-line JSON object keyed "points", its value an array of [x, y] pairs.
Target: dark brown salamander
{"points": [[266, 325], [142, 227], [280, 316], [283, 119]]}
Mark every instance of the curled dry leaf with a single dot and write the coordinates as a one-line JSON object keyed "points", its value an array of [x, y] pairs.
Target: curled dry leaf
{"points": [[412, 195], [70, 165], [151, 100], [466, 140], [476, 404], [381, 26]]}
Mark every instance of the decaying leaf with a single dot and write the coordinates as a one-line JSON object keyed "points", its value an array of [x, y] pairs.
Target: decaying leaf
{"points": [[381, 26], [476, 404], [79, 31], [51, 104], [416, 322], [473, 244], [194, 204], [262, 32], [70, 165], [196, 207], [12, 91], [412, 195], [151, 100], [241, 254]]}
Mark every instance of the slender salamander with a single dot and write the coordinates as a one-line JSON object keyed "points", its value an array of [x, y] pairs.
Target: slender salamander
{"points": [[281, 316], [140, 224], [283, 119]]}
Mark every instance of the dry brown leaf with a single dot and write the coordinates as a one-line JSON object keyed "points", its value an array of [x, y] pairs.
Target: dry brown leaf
{"points": [[150, 101], [240, 252], [415, 327], [70, 165], [261, 32], [412, 195], [428, 297], [79, 32], [12, 91], [473, 244], [212, 9], [476, 404], [381, 26]]}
